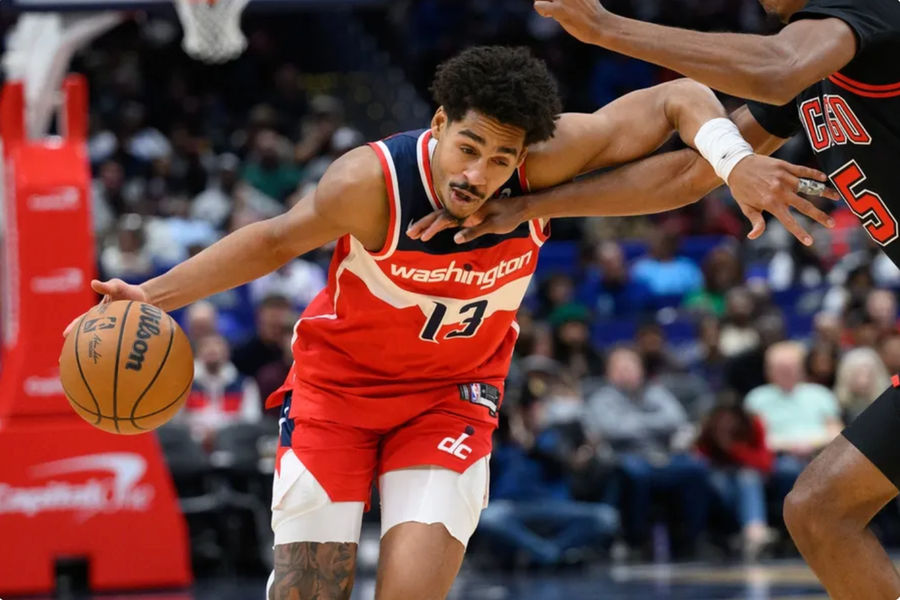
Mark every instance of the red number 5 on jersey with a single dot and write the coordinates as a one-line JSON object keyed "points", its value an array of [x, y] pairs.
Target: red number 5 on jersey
{"points": [[866, 204]]}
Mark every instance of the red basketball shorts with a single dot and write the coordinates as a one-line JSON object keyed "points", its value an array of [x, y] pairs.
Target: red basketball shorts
{"points": [[450, 427]]}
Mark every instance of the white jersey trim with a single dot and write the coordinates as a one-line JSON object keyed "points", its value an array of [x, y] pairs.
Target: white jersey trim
{"points": [[395, 197], [425, 162], [532, 226]]}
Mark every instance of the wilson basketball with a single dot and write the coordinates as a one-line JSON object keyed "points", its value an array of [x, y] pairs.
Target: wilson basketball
{"points": [[127, 367]]}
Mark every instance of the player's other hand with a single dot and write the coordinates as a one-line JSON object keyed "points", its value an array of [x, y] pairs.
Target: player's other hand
{"points": [[765, 184], [583, 19], [114, 289], [497, 215]]}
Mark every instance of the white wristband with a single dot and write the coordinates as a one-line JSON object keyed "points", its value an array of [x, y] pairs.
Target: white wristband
{"points": [[721, 144]]}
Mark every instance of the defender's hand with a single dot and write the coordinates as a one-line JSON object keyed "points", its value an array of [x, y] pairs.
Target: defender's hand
{"points": [[764, 184], [581, 18], [114, 289], [497, 215]]}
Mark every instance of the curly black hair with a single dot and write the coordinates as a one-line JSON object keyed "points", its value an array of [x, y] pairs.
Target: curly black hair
{"points": [[505, 83]]}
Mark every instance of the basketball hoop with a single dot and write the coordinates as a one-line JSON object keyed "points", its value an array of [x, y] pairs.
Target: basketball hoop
{"points": [[212, 29]]}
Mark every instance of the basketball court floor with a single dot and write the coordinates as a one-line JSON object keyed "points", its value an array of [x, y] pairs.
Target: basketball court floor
{"points": [[783, 580]]}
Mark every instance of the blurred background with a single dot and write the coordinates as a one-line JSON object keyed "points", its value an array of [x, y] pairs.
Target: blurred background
{"points": [[642, 423]]}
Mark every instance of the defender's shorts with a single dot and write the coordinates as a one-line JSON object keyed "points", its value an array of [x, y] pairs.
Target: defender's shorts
{"points": [[876, 432]]}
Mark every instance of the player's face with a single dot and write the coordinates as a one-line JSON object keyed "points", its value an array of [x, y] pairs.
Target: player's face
{"points": [[473, 158], [783, 9]]}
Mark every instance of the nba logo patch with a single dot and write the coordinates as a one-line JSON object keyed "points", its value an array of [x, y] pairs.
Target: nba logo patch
{"points": [[483, 394]]}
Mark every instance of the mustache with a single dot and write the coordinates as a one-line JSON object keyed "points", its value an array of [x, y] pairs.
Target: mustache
{"points": [[466, 187]]}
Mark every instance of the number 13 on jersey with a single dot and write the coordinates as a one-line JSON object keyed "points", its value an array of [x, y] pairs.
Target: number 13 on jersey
{"points": [[865, 204], [469, 316]]}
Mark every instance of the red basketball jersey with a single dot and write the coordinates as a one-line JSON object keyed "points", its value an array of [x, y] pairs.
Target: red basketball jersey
{"points": [[414, 316]]}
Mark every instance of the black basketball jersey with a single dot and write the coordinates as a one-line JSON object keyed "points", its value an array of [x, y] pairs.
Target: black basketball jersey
{"points": [[852, 118]]}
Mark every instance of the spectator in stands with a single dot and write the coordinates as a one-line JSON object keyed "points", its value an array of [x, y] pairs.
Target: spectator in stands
{"points": [[189, 234], [656, 355], [134, 142], [861, 330], [747, 370], [109, 198], [722, 271], [220, 395], [848, 294], [270, 168], [325, 117], [881, 308], [663, 272], [342, 140], [800, 418], [227, 191], [734, 442], [301, 280], [128, 257], [572, 341], [703, 357], [275, 317], [797, 265], [607, 287], [889, 350], [738, 332], [540, 449], [821, 364], [556, 291], [828, 328], [201, 320], [641, 422], [861, 377], [864, 253]]}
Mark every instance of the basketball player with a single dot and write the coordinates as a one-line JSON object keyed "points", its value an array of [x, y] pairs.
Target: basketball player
{"points": [[400, 361], [833, 72]]}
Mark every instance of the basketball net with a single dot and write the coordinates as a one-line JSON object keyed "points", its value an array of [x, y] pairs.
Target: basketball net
{"points": [[212, 29]]}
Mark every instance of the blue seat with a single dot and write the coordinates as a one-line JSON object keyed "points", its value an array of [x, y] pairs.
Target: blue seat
{"points": [[798, 325], [697, 247], [558, 257], [680, 331], [609, 332]]}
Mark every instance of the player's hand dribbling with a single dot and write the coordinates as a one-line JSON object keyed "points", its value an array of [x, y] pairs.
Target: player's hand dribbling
{"points": [[581, 18], [497, 215], [114, 289], [765, 184]]}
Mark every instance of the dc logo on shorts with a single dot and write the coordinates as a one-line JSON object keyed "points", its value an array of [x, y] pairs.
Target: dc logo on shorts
{"points": [[455, 446]]}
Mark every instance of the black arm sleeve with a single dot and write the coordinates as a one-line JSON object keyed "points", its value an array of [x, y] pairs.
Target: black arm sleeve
{"points": [[872, 21], [781, 121]]}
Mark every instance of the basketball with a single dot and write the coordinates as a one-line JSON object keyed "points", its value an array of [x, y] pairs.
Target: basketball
{"points": [[127, 367]]}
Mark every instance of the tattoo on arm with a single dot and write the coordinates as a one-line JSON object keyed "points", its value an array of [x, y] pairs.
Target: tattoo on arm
{"points": [[313, 571]]}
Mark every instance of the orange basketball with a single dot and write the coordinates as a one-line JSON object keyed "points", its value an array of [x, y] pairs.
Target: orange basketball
{"points": [[127, 367]]}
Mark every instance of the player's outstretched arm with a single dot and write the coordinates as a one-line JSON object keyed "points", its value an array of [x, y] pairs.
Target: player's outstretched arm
{"points": [[772, 69], [626, 129], [657, 184], [345, 201]]}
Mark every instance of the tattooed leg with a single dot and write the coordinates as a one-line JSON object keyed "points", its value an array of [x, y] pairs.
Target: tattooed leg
{"points": [[313, 571]]}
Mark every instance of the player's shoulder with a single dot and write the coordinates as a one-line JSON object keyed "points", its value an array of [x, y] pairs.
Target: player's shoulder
{"points": [[404, 143], [352, 179], [817, 8], [872, 21]]}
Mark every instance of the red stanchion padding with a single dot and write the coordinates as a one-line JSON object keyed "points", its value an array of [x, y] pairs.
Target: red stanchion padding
{"points": [[48, 253], [68, 490]]}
